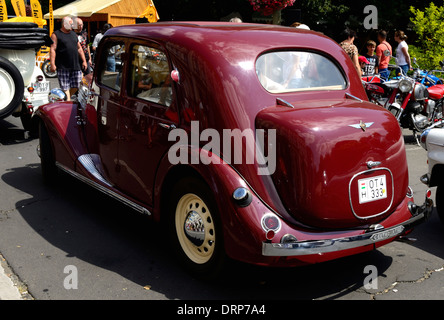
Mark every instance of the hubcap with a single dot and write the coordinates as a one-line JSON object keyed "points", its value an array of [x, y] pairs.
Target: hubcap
{"points": [[195, 228]]}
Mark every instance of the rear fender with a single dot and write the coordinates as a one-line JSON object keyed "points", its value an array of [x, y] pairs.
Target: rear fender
{"points": [[242, 225]]}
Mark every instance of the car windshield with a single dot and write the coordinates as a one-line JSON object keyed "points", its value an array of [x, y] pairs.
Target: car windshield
{"points": [[292, 71]]}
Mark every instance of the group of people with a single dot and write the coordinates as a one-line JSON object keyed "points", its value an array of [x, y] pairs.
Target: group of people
{"points": [[377, 57], [70, 54]]}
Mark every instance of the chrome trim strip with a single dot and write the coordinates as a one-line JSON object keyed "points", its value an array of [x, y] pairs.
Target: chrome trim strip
{"points": [[104, 189], [437, 144], [350, 199], [337, 244], [348, 95], [282, 102]]}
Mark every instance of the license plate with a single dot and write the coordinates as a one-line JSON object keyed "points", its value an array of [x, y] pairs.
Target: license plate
{"points": [[42, 86], [386, 234], [372, 189]]}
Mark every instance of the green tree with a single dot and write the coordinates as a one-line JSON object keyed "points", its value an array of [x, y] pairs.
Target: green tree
{"points": [[429, 28]]}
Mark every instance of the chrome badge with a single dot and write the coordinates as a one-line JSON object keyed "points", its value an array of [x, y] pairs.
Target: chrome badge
{"points": [[362, 125]]}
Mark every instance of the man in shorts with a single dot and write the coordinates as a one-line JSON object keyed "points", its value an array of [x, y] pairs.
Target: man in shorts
{"points": [[64, 57]]}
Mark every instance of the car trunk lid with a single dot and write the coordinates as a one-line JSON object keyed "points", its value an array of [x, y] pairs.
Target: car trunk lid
{"points": [[339, 164]]}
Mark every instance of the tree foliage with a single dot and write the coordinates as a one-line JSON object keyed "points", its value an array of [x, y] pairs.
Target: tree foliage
{"points": [[428, 24]]}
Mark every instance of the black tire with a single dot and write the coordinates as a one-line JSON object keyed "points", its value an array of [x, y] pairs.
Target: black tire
{"points": [[204, 258], [22, 35], [11, 75], [11, 34], [440, 201], [47, 159], [46, 68], [22, 44], [18, 25]]}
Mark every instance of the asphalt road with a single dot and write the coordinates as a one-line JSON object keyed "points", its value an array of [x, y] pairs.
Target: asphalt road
{"points": [[49, 236]]}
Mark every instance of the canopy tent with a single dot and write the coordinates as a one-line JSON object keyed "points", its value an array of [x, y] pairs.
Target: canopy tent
{"points": [[95, 13], [116, 12], [82, 8]]}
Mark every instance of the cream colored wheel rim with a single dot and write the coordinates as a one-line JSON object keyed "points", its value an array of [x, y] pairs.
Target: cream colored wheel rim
{"points": [[7, 89], [195, 228]]}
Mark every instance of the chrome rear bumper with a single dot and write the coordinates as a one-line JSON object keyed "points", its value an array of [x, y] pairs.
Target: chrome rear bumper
{"points": [[302, 248]]}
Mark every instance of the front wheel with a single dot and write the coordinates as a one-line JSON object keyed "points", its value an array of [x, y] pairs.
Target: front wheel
{"points": [[440, 201], [195, 228]]}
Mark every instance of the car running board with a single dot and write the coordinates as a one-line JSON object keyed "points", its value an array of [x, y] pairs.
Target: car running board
{"points": [[90, 163]]}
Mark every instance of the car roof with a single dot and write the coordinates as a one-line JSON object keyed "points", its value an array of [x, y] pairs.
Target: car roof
{"points": [[210, 34]]}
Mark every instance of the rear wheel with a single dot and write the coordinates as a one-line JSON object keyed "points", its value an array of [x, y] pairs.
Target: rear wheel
{"points": [[195, 228], [11, 88], [440, 201]]}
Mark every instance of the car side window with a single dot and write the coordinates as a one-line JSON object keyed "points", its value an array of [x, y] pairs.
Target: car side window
{"points": [[111, 66], [150, 78]]}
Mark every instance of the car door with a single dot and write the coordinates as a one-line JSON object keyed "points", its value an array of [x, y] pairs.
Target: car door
{"points": [[108, 88], [148, 113]]}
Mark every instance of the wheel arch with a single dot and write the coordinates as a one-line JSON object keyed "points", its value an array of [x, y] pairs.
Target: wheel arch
{"points": [[221, 178]]}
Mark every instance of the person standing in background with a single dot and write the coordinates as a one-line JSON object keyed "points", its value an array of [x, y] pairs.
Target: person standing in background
{"points": [[65, 56], [402, 52], [99, 36], [371, 68], [380, 53], [351, 49], [84, 44]]}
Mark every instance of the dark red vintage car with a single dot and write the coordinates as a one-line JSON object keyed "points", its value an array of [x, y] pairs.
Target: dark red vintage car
{"points": [[251, 142]]}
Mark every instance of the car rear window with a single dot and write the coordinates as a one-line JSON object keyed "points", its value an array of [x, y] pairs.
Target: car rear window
{"points": [[292, 71]]}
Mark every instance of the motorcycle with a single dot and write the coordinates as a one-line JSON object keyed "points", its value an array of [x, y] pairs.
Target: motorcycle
{"points": [[42, 61], [414, 105], [425, 77], [435, 87], [377, 91], [405, 98]]}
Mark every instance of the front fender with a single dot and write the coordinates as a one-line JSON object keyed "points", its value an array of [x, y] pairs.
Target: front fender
{"points": [[61, 123]]}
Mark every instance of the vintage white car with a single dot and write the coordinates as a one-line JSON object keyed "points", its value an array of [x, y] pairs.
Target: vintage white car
{"points": [[433, 141], [23, 87]]}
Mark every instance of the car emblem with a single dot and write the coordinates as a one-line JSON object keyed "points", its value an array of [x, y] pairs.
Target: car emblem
{"points": [[362, 125]]}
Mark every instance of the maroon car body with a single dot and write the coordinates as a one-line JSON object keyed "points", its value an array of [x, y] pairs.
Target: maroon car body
{"points": [[328, 141]]}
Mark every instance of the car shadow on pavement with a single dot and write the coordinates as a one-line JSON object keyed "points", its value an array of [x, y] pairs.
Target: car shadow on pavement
{"points": [[100, 231], [11, 134], [429, 235]]}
